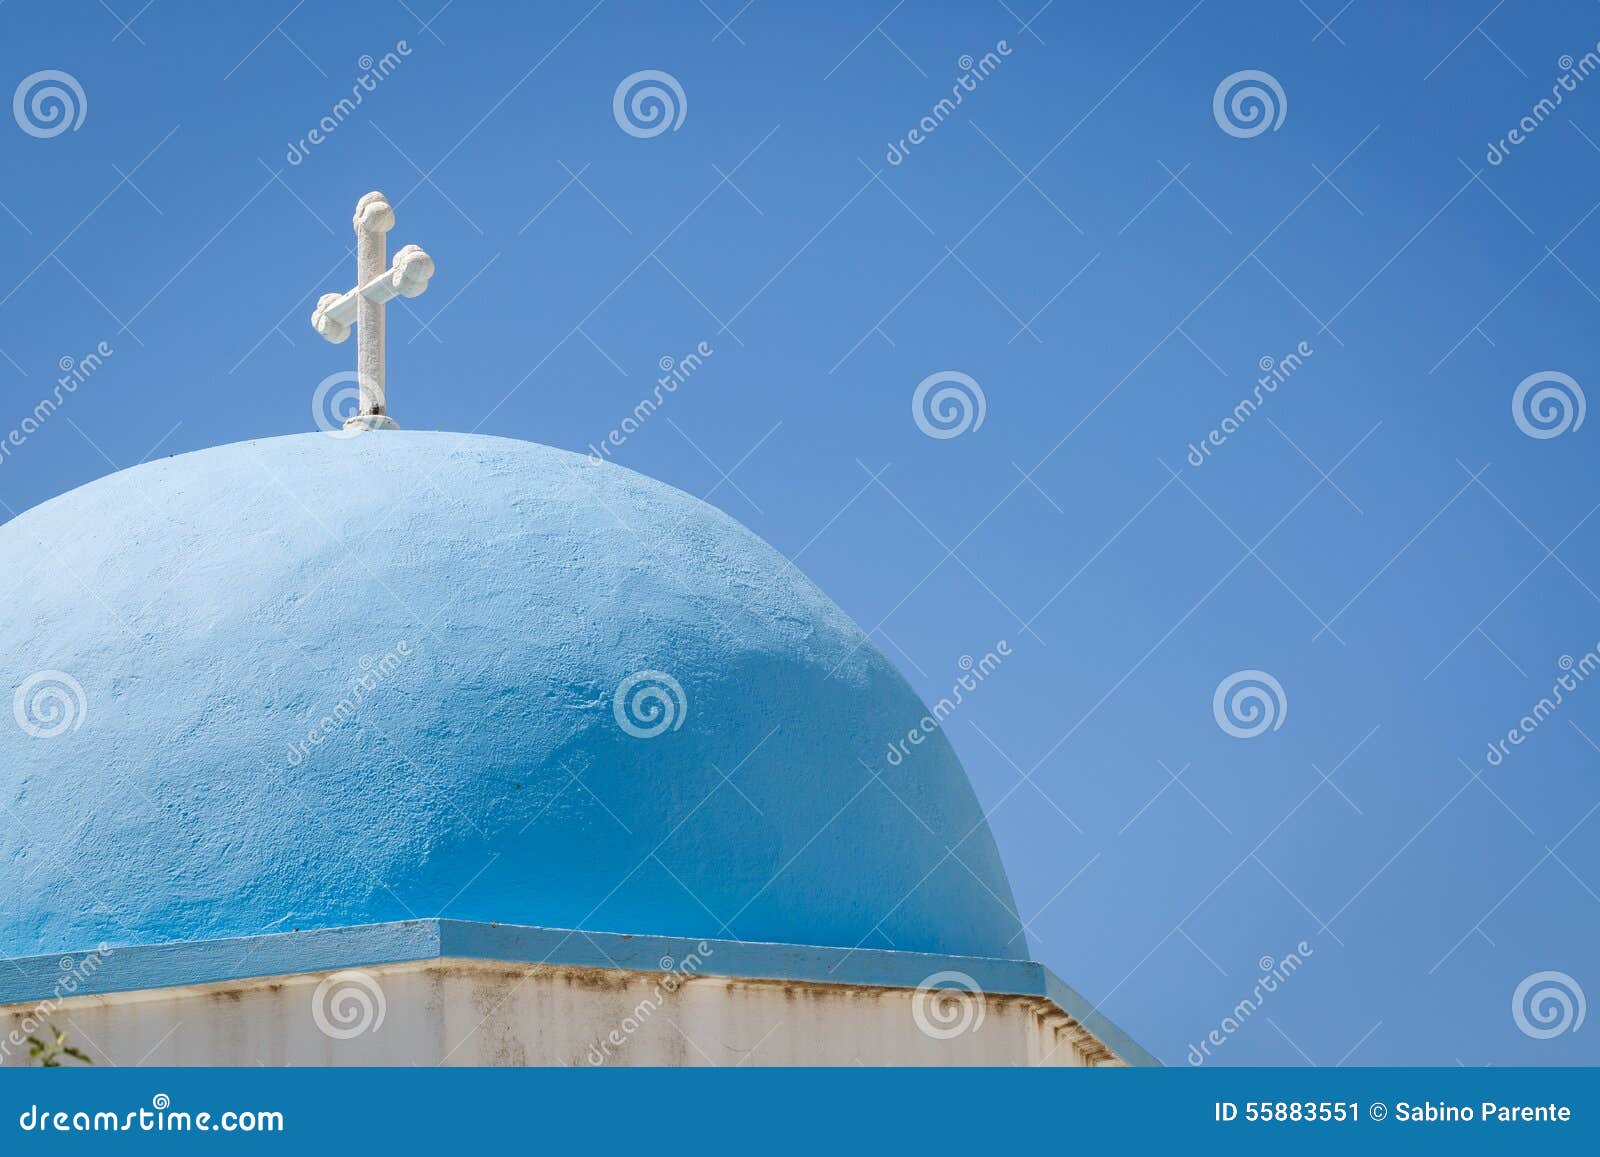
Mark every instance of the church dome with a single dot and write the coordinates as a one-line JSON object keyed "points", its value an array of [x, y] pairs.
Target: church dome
{"points": [[315, 681]]}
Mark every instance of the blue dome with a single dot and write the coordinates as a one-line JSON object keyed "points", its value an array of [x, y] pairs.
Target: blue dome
{"points": [[313, 682]]}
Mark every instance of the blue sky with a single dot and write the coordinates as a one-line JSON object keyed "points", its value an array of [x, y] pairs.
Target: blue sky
{"points": [[1084, 240]]}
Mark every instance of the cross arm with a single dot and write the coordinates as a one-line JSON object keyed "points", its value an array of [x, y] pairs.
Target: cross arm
{"points": [[408, 277]]}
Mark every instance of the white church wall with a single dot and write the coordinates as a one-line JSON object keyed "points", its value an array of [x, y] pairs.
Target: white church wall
{"points": [[474, 1012]]}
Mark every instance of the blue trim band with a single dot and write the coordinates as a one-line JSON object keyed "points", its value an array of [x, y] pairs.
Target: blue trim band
{"points": [[146, 966]]}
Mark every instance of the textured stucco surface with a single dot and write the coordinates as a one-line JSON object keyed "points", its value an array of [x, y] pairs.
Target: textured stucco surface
{"points": [[216, 606]]}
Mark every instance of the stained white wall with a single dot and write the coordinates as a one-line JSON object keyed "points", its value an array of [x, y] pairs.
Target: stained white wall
{"points": [[476, 1013]]}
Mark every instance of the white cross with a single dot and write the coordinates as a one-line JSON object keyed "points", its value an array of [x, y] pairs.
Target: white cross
{"points": [[363, 305]]}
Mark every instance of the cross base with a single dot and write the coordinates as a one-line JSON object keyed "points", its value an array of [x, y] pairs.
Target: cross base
{"points": [[362, 422]]}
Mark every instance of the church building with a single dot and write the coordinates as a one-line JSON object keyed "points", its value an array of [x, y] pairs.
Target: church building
{"points": [[379, 746]]}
